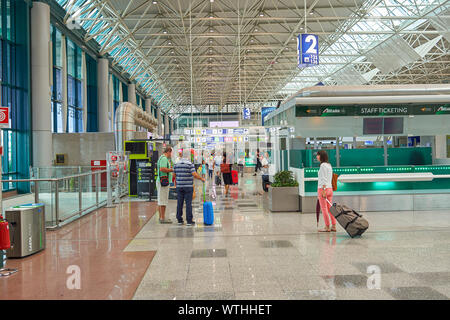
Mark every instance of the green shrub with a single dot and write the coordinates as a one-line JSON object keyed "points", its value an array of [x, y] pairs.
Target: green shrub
{"points": [[284, 179]]}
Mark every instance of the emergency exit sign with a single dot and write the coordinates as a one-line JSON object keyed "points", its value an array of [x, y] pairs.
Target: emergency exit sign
{"points": [[4, 116]]}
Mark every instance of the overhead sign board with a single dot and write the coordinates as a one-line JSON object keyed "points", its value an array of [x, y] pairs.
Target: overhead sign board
{"points": [[371, 110], [246, 114], [265, 111], [308, 50]]}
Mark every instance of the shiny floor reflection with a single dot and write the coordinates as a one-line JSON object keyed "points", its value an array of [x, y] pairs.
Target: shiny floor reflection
{"points": [[271, 256], [85, 259]]}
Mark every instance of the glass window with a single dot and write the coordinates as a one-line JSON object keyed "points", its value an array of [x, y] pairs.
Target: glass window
{"points": [[78, 54], [71, 119], [71, 64]]}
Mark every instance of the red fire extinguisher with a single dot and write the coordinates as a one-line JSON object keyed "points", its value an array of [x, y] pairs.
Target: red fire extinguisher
{"points": [[5, 242]]}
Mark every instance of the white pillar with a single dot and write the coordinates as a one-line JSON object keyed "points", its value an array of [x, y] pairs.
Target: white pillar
{"points": [[132, 93], [158, 113], [103, 94], [166, 125], [84, 83], [64, 82], [40, 85], [110, 103], [171, 126], [441, 146], [120, 93]]}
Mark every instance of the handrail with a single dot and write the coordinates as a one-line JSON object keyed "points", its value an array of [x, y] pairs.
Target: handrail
{"points": [[57, 179], [55, 188]]}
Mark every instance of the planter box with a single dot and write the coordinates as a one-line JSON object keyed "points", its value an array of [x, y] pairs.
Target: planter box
{"points": [[283, 199]]}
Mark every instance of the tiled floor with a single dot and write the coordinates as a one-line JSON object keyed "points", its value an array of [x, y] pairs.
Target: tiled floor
{"points": [[92, 248], [251, 253]]}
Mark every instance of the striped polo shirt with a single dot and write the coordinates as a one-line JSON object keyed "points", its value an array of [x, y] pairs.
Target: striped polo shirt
{"points": [[183, 171]]}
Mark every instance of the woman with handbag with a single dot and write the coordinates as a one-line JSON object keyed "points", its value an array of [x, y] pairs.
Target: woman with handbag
{"points": [[164, 167], [225, 168]]}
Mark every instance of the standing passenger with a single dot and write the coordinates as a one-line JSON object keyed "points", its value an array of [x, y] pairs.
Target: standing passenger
{"points": [[164, 167], [210, 166], [225, 168], [185, 173], [325, 190]]}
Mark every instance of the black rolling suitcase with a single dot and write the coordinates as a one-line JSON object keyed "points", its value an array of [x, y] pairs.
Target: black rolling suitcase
{"points": [[349, 219]]}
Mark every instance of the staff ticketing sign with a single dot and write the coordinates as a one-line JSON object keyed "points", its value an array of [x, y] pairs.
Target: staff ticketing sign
{"points": [[308, 50]]}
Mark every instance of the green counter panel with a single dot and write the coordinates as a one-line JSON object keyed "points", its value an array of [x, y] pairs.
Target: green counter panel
{"points": [[369, 157]]}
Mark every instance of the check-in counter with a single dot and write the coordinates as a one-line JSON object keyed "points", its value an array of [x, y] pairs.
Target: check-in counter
{"points": [[393, 188]]}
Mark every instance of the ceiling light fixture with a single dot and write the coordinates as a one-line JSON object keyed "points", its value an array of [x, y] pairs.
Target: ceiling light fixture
{"points": [[261, 14], [154, 2]]}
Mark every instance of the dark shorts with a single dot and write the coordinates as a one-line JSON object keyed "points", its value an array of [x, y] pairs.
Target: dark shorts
{"points": [[227, 179]]}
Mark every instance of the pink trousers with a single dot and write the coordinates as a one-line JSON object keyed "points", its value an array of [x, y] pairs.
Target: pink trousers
{"points": [[325, 206]]}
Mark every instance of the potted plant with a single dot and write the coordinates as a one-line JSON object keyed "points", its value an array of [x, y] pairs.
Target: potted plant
{"points": [[283, 193]]}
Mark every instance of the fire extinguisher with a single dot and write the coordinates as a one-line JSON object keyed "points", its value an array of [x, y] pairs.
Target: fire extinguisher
{"points": [[5, 242]]}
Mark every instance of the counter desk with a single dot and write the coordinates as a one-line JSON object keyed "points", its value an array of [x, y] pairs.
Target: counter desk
{"points": [[393, 188]]}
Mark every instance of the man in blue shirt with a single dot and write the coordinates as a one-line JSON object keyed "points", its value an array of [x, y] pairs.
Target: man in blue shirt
{"points": [[184, 172]]}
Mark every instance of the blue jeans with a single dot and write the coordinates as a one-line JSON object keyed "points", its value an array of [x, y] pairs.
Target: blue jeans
{"points": [[210, 173], [184, 193]]}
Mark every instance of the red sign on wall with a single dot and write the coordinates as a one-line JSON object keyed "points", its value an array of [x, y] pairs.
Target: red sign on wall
{"points": [[4, 115]]}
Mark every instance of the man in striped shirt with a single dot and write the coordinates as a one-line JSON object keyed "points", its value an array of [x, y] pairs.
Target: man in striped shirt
{"points": [[184, 172]]}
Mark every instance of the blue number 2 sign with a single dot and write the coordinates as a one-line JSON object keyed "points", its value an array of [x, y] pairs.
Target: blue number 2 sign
{"points": [[308, 50]]}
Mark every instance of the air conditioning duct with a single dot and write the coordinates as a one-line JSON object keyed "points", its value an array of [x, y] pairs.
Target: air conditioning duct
{"points": [[128, 116]]}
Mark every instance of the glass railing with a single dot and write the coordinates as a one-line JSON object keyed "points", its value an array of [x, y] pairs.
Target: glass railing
{"points": [[71, 192]]}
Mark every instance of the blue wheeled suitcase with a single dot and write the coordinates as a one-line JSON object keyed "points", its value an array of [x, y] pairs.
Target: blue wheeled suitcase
{"points": [[208, 211]]}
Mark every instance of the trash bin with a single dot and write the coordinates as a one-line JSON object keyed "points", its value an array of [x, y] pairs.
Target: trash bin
{"points": [[27, 229]]}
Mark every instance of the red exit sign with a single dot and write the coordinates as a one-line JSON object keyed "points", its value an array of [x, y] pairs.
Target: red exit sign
{"points": [[4, 115]]}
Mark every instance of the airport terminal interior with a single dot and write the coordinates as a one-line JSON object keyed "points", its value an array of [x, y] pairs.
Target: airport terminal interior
{"points": [[225, 150]]}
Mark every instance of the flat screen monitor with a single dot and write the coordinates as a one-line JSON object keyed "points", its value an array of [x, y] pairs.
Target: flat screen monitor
{"points": [[135, 147], [393, 125], [373, 126]]}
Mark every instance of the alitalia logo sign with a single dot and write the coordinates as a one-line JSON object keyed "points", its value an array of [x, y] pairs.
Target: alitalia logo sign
{"points": [[443, 110], [333, 112]]}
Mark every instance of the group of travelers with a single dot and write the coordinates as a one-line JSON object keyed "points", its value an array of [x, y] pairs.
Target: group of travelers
{"points": [[217, 165]]}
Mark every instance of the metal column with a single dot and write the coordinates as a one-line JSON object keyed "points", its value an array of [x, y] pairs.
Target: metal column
{"points": [[338, 156], [385, 149]]}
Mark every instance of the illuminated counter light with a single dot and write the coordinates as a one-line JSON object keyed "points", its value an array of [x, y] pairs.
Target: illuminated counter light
{"points": [[406, 179], [385, 177]]}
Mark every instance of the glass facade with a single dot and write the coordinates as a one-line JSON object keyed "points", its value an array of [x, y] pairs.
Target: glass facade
{"points": [[116, 93], [91, 94], [15, 84], [74, 88], [57, 112]]}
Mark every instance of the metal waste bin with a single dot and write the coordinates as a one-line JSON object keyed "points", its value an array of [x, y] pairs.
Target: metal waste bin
{"points": [[27, 229]]}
